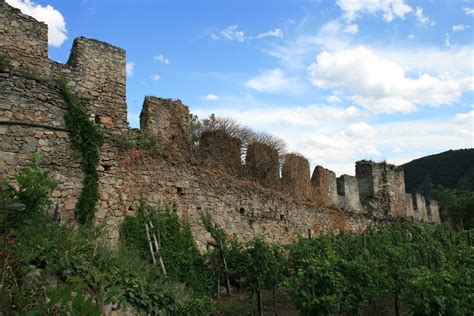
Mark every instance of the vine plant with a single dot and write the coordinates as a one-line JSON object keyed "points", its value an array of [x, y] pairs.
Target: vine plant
{"points": [[86, 139]]}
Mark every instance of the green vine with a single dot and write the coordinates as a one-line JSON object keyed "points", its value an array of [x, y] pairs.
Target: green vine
{"points": [[86, 139]]}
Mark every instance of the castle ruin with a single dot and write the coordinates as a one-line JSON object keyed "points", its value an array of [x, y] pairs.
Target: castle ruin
{"points": [[256, 202]]}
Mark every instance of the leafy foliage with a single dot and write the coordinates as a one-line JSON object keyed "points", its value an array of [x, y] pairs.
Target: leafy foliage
{"points": [[178, 249], [34, 186], [87, 139]]}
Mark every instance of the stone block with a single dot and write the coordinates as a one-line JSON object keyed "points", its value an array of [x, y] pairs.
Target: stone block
{"points": [[262, 164]]}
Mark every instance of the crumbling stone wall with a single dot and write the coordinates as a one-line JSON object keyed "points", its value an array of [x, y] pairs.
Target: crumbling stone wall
{"points": [[217, 148], [433, 212], [31, 121], [382, 189], [348, 191], [262, 164], [167, 121], [37, 102], [24, 41], [295, 176], [324, 187], [421, 212]]}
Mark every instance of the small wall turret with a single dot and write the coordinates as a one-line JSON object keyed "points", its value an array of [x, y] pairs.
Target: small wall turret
{"points": [[324, 187], [262, 164], [433, 212], [295, 176], [381, 189], [348, 191], [167, 121], [218, 148], [421, 212], [99, 76]]}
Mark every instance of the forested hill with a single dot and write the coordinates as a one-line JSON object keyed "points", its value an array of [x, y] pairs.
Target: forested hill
{"points": [[453, 169]]}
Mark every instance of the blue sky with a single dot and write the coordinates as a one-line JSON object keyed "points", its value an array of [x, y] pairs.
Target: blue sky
{"points": [[339, 80]]}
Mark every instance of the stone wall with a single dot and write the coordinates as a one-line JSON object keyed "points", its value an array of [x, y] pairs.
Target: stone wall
{"points": [[24, 41], [324, 187], [262, 164], [348, 191], [295, 176], [167, 121], [245, 195]]}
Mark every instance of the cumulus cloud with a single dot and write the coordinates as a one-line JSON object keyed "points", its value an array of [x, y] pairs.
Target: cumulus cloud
{"points": [[161, 58], [211, 97], [53, 18], [390, 9], [380, 84], [231, 33], [460, 27], [130, 67], [272, 33], [273, 81], [155, 77]]}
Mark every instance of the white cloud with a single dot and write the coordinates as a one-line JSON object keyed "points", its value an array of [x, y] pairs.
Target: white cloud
{"points": [[231, 33], [468, 11], [360, 129], [273, 81], [333, 99], [211, 97], [155, 77], [351, 29], [422, 18], [161, 58], [272, 33], [389, 8], [465, 125], [379, 83], [47, 14], [460, 27], [130, 67], [411, 36]]}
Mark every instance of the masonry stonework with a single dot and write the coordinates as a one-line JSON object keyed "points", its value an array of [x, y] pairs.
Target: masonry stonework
{"points": [[245, 195]]}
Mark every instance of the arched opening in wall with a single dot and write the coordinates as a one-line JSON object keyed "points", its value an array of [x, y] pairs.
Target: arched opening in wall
{"points": [[242, 211], [95, 118], [179, 191], [173, 137], [282, 217]]}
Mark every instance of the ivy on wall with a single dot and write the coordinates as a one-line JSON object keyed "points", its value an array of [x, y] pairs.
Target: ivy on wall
{"points": [[86, 138]]}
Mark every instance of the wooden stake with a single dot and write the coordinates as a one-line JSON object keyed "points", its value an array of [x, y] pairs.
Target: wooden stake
{"points": [[149, 243]]}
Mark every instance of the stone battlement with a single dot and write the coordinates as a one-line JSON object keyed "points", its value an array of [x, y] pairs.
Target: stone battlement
{"points": [[247, 196]]}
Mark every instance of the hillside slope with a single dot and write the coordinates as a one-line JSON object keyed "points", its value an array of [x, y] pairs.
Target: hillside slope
{"points": [[453, 169]]}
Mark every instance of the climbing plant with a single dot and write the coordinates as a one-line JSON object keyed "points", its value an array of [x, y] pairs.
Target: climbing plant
{"points": [[86, 138]]}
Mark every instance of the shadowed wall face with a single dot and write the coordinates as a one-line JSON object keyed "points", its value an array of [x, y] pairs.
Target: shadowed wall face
{"points": [[295, 176], [262, 164], [220, 149]]}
